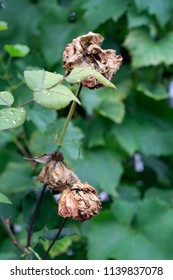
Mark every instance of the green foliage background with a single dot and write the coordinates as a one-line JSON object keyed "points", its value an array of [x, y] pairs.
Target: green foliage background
{"points": [[120, 141]]}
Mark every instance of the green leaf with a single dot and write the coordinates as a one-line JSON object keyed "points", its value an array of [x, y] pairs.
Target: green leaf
{"points": [[161, 9], [41, 117], [6, 98], [95, 169], [17, 50], [112, 109], [79, 74], [42, 142], [16, 177], [159, 194], [12, 118], [50, 235], [90, 100], [139, 134], [4, 199], [95, 11], [146, 51], [41, 79], [56, 98], [3, 25], [155, 91], [136, 19], [149, 226]]}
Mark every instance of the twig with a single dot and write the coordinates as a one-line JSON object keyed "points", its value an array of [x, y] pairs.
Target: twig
{"points": [[21, 148], [25, 103], [34, 216], [55, 238], [12, 237], [69, 116]]}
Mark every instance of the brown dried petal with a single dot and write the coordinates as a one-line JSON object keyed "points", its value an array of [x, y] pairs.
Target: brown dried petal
{"points": [[84, 51], [81, 202], [57, 176]]}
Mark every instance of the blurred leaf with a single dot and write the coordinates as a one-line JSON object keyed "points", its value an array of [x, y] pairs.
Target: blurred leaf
{"points": [[95, 132], [136, 19], [56, 98], [17, 50], [3, 25], [146, 51], [154, 91], [8, 256], [129, 193], [12, 118], [22, 174], [41, 79], [146, 137], [41, 143], [151, 233], [50, 235], [161, 9], [6, 98], [90, 100], [95, 169], [112, 109], [4, 199], [164, 174], [95, 11], [159, 194], [41, 117], [79, 74]]}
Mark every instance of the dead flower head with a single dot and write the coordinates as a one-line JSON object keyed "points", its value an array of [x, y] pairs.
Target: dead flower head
{"points": [[81, 202], [84, 51], [56, 175]]}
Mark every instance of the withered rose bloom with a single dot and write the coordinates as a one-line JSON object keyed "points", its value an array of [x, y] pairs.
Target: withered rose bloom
{"points": [[81, 202], [56, 175], [84, 51]]}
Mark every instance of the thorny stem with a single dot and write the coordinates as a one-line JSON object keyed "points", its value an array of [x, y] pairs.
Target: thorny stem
{"points": [[12, 237], [69, 116], [55, 238], [34, 216]]}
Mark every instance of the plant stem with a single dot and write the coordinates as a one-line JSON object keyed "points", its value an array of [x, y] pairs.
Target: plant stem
{"points": [[69, 116], [34, 216], [21, 148], [12, 237], [25, 103], [55, 238]]}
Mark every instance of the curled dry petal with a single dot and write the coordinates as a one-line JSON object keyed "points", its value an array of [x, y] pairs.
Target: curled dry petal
{"points": [[56, 175], [81, 202], [84, 51]]}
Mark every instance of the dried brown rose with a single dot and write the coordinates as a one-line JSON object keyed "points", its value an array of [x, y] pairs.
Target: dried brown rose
{"points": [[84, 51], [81, 202], [56, 175]]}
